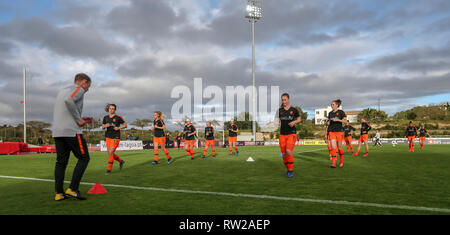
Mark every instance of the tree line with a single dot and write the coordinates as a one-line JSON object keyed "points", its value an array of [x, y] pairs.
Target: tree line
{"points": [[305, 129]]}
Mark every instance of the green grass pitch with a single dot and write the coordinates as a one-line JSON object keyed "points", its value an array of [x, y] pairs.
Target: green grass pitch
{"points": [[390, 181]]}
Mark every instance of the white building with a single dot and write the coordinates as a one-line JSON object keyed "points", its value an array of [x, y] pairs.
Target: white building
{"points": [[321, 115], [352, 116]]}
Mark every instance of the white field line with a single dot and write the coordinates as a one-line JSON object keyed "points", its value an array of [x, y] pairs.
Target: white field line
{"points": [[312, 150], [363, 204], [307, 151]]}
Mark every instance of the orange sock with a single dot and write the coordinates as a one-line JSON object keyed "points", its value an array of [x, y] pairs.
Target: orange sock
{"points": [[290, 163], [214, 151], [230, 150], [156, 153], [117, 158], [334, 156], [188, 152], [110, 162], [286, 161], [167, 153], [235, 148], [341, 155], [192, 153], [204, 151]]}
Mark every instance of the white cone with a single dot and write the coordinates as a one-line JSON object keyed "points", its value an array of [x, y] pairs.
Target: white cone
{"points": [[250, 159]]}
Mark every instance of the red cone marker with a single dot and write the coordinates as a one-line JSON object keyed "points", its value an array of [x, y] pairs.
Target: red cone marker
{"points": [[97, 189]]}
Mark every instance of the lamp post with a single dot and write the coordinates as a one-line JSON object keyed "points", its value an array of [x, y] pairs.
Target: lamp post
{"points": [[253, 13], [24, 105]]}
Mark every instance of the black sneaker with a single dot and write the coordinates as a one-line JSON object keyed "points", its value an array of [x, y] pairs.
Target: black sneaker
{"points": [[121, 165], [155, 162], [108, 172], [75, 194]]}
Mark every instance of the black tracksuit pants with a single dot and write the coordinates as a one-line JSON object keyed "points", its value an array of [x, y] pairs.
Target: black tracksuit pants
{"points": [[64, 145]]}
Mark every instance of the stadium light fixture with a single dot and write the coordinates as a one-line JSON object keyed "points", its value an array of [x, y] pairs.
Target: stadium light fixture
{"points": [[253, 13], [253, 9]]}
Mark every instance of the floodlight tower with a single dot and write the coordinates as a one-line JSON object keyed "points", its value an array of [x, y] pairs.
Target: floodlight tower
{"points": [[253, 13], [24, 105]]}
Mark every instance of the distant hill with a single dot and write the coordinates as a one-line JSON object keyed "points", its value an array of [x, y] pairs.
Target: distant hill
{"points": [[426, 112]]}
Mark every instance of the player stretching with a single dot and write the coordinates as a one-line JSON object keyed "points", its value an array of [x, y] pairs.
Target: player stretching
{"points": [[411, 133], [348, 135], [159, 139], [113, 123], [422, 135], [232, 138], [364, 137], [209, 139], [189, 138], [288, 116], [337, 117]]}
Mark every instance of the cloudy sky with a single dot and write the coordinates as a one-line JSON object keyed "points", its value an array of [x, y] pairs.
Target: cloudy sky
{"points": [[136, 51]]}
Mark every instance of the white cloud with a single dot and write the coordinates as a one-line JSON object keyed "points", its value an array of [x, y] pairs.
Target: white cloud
{"points": [[319, 58], [138, 71]]}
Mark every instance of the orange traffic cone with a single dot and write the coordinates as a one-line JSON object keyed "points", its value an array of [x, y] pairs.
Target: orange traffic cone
{"points": [[97, 189]]}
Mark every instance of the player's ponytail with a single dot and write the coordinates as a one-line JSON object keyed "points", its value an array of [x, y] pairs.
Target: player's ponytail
{"points": [[338, 102], [160, 114]]}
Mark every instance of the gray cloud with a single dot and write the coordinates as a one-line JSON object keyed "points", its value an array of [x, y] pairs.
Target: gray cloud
{"points": [[9, 72], [71, 12], [144, 20], [139, 80], [315, 91], [182, 70], [425, 59], [74, 41]]}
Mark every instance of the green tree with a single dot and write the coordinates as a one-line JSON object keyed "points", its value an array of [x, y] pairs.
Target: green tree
{"points": [[373, 115], [303, 115], [245, 122], [142, 123], [96, 123], [411, 115], [37, 127], [425, 112]]}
